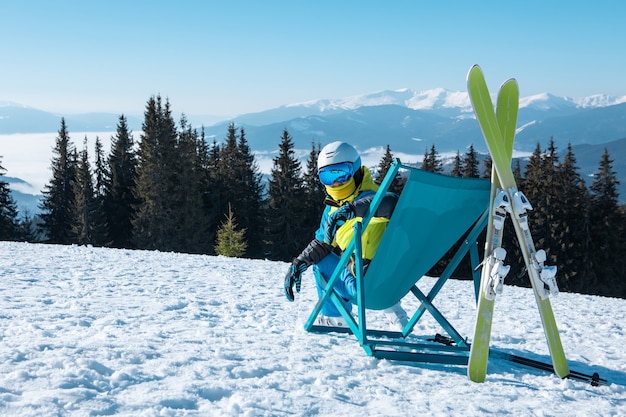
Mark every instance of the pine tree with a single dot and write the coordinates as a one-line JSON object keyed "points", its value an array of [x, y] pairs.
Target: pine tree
{"points": [[383, 167], [99, 220], [517, 170], [155, 180], [228, 156], [607, 229], [84, 205], [253, 206], [8, 210], [119, 200], [570, 225], [285, 228], [212, 189], [100, 172], [206, 188], [27, 228], [535, 190], [314, 191], [58, 196], [240, 186], [189, 217], [470, 164], [547, 209], [487, 164], [432, 162], [227, 171], [532, 173], [230, 239], [457, 166]]}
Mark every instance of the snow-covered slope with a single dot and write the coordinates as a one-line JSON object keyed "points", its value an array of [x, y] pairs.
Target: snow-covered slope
{"points": [[87, 331]]}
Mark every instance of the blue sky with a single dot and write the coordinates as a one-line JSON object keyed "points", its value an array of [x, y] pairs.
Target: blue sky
{"points": [[232, 57]]}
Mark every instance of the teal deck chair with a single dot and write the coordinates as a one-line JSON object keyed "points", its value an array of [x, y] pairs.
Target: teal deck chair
{"points": [[433, 213]]}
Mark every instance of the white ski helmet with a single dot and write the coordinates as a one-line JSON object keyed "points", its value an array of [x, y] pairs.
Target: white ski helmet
{"points": [[336, 153]]}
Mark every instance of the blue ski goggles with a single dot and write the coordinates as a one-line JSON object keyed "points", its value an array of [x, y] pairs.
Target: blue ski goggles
{"points": [[338, 173]]}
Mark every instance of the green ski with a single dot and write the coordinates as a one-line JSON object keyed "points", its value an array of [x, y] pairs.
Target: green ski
{"points": [[493, 269], [541, 276]]}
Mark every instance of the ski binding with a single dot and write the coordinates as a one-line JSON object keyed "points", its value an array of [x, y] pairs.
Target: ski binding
{"points": [[547, 273], [497, 273]]}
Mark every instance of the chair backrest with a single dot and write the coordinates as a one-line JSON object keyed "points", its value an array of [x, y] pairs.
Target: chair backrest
{"points": [[432, 214]]}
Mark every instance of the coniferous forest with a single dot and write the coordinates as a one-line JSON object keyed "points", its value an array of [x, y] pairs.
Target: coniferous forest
{"points": [[173, 190]]}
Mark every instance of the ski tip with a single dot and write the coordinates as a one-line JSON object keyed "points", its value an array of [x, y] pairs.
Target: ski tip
{"points": [[473, 69], [509, 82]]}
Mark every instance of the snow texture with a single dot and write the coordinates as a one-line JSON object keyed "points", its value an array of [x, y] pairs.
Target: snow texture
{"points": [[95, 332]]}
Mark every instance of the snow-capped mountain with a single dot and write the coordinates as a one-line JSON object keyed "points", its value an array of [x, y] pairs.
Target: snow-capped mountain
{"points": [[547, 102], [437, 98], [599, 100], [440, 98]]}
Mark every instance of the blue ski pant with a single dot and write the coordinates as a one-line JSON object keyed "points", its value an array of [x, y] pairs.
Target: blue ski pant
{"points": [[345, 286]]}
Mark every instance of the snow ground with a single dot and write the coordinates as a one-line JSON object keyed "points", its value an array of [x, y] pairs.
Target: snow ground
{"points": [[90, 331]]}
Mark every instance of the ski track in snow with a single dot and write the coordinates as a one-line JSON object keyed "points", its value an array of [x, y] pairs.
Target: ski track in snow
{"points": [[92, 331]]}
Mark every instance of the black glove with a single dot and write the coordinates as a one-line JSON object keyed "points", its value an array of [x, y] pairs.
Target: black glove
{"points": [[294, 276], [336, 219]]}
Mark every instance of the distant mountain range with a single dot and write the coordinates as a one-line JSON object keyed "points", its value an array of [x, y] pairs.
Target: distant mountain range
{"points": [[17, 118], [25, 202], [410, 122]]}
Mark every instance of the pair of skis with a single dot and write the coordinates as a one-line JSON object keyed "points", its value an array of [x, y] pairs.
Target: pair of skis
{"points": [[499, 131]]}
